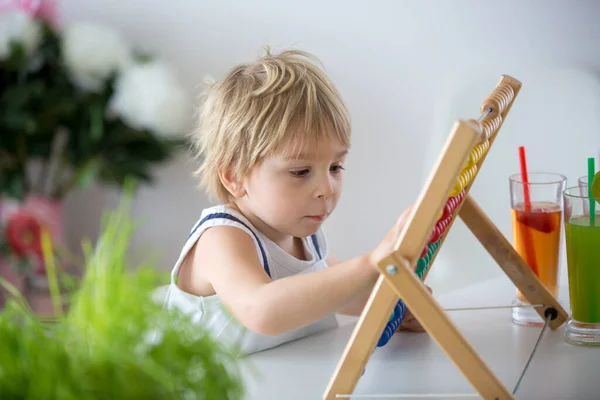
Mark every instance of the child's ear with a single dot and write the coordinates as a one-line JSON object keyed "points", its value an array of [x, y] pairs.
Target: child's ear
{"points": [[234, 186]]}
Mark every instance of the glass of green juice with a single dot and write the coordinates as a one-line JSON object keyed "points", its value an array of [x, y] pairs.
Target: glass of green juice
{"points": [[582, 235]]}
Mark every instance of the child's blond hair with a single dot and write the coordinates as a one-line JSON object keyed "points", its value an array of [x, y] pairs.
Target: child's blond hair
{"points": [[261, 107]]}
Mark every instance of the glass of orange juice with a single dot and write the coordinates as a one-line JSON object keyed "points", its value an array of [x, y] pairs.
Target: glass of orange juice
{"points": [[536, 213]]}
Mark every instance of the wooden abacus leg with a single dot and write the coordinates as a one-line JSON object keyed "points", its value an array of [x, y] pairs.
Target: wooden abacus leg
{"points": [[436, 322], [509, 260], [363, 340]]}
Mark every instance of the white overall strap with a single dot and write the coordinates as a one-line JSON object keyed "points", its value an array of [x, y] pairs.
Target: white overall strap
{"points": [[235, 219]]}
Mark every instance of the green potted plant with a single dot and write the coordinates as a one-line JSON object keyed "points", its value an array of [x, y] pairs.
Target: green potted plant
{"points": [[78, 104], [113, 341]]}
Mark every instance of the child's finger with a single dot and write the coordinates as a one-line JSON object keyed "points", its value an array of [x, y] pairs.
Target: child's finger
{"points": [[413, 325], [402, 219]]}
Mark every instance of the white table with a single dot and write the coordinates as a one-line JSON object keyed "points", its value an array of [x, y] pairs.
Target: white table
{"points": [[413, 363]]}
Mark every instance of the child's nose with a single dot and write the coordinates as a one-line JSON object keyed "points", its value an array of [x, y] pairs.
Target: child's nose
{"points": [[325, 189]]}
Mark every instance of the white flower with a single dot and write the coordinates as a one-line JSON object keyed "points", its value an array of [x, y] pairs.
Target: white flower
{"points": [[93, 52], [18, 26], [149, 96]]}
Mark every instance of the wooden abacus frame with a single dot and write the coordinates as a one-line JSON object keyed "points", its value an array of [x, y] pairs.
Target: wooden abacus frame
{"points": [[398, 279]]}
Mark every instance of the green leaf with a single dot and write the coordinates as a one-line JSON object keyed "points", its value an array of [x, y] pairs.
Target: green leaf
{"points": [[23, 265], [19, 95], [18, 121], [119, 170], [14, 187], [58, 113], [4, 246], [17, 57], [86, 174], [39, 145], [96, 122], [150, 150]]}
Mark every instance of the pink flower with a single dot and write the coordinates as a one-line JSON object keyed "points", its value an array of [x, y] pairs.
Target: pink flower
{"points": [[48, 12], [45, 10]]}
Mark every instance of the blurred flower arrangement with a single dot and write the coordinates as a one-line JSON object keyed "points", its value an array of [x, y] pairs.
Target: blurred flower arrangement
{"points": [[78, 104]]}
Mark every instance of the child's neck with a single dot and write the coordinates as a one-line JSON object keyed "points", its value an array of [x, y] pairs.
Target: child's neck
{"points": [[288, 243]]}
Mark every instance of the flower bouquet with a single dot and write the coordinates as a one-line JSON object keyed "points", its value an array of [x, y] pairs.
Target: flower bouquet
{"points": [[78, 104]]}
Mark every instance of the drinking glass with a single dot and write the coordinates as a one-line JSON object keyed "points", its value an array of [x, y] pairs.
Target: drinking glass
{"points": [[583, 189], [582, 236], [536, 213]]}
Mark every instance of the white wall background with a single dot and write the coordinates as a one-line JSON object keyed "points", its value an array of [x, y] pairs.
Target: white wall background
{"points": [[406, 71]]}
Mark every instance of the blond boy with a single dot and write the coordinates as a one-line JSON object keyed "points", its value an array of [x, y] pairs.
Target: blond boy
{"points": [[272, 137]]}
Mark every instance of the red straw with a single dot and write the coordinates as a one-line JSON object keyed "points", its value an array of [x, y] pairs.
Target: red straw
{"points": [[524, 177], [527, 239]]}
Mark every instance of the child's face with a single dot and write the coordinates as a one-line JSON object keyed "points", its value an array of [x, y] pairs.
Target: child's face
{"points": [[294, 196]]}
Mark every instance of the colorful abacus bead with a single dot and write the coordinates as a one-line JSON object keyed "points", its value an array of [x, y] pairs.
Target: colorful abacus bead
{"points": [[435, 246], [430, 254], [452, 203], [459, 197], [439, 229], [450, 207], [491, 125], [477, 152], [458, 186], [498, 100], [424, 263], [393, 324], [422, 266], [456, 200], [437, 232], [464, 179]]}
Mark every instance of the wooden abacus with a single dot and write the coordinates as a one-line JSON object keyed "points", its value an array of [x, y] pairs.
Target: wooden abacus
{"points": [[444, 196]]}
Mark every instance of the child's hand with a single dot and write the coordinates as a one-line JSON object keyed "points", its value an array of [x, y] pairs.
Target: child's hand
{"points": [[409, 322], [386, 246]]}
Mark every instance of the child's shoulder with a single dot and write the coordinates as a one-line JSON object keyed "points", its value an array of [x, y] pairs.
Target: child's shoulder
{"points": [[218, 209], [221, 215]]}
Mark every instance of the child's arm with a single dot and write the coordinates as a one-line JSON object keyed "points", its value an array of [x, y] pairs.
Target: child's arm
{"points": [[231, 266], [355, 308], [230, 263]]}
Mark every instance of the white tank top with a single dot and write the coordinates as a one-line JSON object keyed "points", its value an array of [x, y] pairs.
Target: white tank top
{"points": [[211, 313]]}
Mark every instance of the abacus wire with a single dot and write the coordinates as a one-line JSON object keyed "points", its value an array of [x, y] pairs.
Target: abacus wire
{"points": [[532, 354], [482, 116], [494, 307]]}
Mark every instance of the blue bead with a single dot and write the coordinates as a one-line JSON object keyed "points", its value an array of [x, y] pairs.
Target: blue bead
{"points": [[393, 324]]}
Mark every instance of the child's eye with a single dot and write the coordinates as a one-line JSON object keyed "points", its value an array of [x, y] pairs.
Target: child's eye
{"points": [[336, 168], [299, 173]]}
